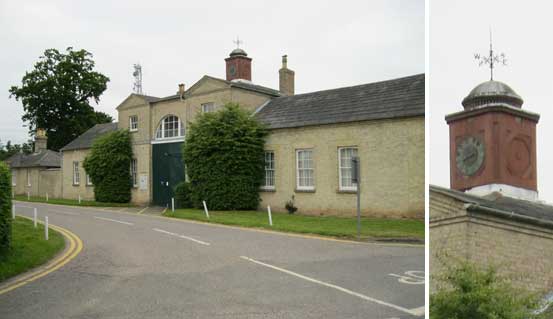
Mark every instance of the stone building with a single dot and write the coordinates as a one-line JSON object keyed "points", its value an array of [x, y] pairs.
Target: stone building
{"points": [[492, 215], [312, 139], [36, 174]]}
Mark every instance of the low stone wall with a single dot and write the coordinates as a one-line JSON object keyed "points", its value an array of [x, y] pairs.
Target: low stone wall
{"points": [[37, 181]]}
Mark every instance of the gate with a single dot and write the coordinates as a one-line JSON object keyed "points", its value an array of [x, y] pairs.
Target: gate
{"points": [[167, 171]]}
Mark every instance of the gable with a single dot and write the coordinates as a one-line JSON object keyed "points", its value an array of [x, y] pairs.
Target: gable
{"points": [[131, 101], [207, 84]]}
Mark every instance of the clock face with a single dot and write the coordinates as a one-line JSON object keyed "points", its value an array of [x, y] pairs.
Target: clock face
{"points": [[470, 155], [232, 70]]}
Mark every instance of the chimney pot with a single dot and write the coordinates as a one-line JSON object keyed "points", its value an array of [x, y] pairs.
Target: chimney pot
{"points": [[181, 89], [286, 78]]}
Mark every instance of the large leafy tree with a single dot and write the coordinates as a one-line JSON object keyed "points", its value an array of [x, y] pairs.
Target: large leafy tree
{"points": [[57, 93], [224, 157]]}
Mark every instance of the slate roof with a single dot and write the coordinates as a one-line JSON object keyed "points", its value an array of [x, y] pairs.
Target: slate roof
{"points": [[507, 205], [44, 158], [403, 97], [86, 139]]}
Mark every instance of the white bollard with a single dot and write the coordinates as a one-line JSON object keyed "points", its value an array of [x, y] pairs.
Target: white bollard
{"points": [[28, 195], [13, 211], [34, 216], [46, 227], [205, 209], [79, 199], [46, 196], [270, 217], [173, 204]]}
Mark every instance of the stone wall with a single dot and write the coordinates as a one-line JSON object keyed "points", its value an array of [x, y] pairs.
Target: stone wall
{"points": [[69, 189], [392, 168], [40, 182], [522, 252]]}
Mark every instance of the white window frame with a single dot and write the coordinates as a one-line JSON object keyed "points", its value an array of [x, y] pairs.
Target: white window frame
{"points": [[14, 177], [162, 128], [269, 170], [134, 172], [76, 173], [341, 166], [133, 123], [208, 107], [28, 177], [312, 168], [88, 180]]}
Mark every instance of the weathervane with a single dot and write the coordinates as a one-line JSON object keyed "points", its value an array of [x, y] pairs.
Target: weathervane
{"points": [[492, 59], [137, 85], [238, 42]]}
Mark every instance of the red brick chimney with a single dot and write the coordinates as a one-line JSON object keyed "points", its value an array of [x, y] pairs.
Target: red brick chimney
{"points": [[239, 66]]}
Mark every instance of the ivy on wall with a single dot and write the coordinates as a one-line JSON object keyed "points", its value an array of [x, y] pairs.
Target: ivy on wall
{"points": [[108, 165], [224, 156]]}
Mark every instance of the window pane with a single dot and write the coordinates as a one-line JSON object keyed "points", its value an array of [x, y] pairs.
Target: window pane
{"points": [[346, 167]]}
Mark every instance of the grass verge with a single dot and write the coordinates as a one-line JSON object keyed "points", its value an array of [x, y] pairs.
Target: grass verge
{"points": [[342, 227], [29, 248], [70, 202]]}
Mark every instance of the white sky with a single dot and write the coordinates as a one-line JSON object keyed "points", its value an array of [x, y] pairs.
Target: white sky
{"points": [[329, 43], [522, 30]]}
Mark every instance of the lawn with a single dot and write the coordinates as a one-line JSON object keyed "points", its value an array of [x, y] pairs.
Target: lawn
{"points": [[29, 248], [70, 202], [343, 227]]}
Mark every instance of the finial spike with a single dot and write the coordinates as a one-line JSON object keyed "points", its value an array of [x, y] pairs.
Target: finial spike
{"points": [[491, 59], [238, 42]]}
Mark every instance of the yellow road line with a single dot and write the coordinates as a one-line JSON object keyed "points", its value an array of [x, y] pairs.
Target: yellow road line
{"points": [[268, 231], [75, 247]]}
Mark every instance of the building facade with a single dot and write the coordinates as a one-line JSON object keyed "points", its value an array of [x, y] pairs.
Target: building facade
{"points": [[491, 215], [312, 139]]}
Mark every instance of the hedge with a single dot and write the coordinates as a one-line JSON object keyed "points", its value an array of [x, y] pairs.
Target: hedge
{"points": [[224, 157], [108, 166], [5, 209]]}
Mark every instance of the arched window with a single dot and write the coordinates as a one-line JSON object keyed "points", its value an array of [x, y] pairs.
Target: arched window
{"points": [[170, 127]]}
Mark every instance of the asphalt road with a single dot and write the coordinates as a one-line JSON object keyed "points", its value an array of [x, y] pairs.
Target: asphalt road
{"points": [[136, 266]]}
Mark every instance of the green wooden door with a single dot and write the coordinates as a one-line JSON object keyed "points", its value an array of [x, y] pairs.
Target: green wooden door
{"points": [[168, 171]]}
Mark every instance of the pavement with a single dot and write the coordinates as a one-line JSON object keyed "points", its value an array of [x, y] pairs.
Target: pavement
{"points": [[141, 266]]}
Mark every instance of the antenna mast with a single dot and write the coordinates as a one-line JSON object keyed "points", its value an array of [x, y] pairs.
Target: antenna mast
{"points": [[137, 86]]}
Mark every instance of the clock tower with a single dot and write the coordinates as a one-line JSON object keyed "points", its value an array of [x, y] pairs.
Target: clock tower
{"points": [[239, 65], [493, 143]]}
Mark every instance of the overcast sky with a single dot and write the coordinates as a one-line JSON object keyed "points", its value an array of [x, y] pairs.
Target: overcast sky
{"points": [[329, 43], [522, 30]]}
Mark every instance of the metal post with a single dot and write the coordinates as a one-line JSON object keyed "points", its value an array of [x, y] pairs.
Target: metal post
{"points": [[13, 211], [173, 204], [356, 178], [46, 227], [205, 209], [270, 217], [34, 216]]}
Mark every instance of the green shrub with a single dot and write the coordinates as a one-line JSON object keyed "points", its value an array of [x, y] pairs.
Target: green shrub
{"points": [[5, 209], [182, 195], [108, 165], [224, 157], [469, 292], [290, 206]]}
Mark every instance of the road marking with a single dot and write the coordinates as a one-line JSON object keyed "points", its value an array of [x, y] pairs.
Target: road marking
{"points": [[114, 220], [411, 277], [75, 247], [181, 236], [322, 283], [142, 210]]}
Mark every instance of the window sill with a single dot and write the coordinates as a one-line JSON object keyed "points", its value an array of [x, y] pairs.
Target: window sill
{"points": [[346, 191], [133, 131], [269, 190], [304, 190], [76, 185]]}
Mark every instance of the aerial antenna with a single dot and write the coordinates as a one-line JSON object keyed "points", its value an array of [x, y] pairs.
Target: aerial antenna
{"points": [[491, 59], [137, 86], [238, 42]]}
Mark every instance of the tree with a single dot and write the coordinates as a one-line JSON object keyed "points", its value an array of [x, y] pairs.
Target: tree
{"points": [[108, 165], [474, 293], [224, 157], [56, 95], [6, 151]]}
